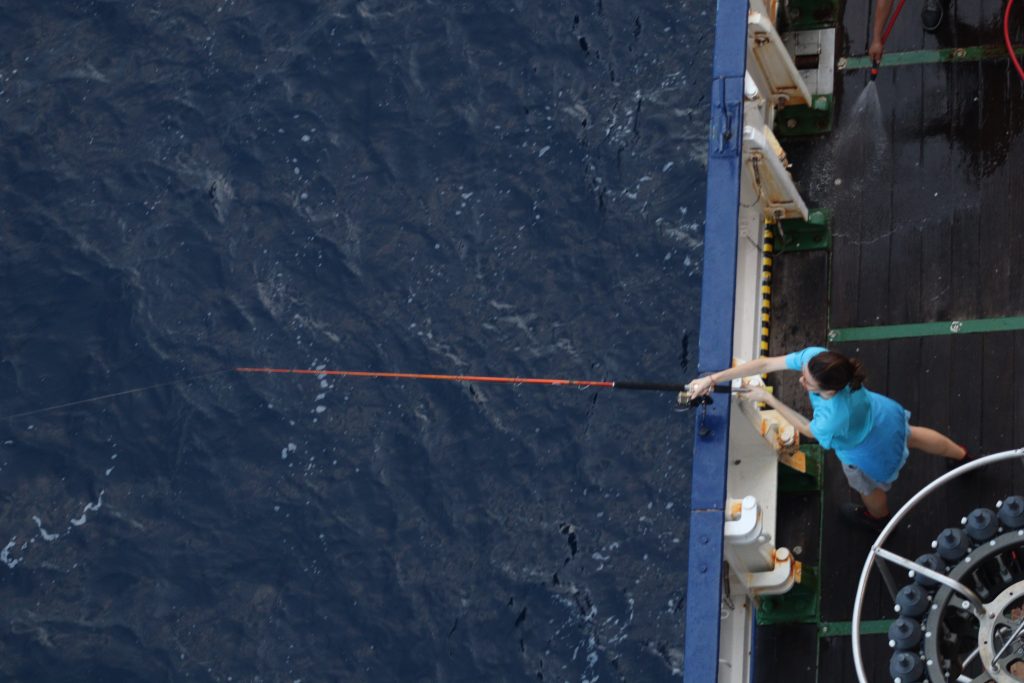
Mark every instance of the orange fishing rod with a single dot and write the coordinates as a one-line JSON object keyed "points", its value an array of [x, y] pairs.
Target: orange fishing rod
{"points": [[583, 383], [604, 384]]}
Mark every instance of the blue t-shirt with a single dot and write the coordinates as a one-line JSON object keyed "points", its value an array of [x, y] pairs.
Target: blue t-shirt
{"points": [[865, 429], [840, 422]]}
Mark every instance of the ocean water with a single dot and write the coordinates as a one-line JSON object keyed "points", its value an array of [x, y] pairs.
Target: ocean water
{"points": [[511, 188]]}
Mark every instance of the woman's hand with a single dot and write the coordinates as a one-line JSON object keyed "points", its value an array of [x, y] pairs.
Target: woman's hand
{"points": [[701, 386], [875, 51], [755, 394]]}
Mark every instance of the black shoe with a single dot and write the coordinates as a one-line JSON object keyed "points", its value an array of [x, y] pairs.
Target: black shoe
{"points": [[858, 514], [931, 15]]}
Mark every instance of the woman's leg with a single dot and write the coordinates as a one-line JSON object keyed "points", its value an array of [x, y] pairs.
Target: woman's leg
{"points": [[931, 441], [877, 503]]}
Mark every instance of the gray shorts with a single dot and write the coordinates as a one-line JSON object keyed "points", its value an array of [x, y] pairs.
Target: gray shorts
{"points": [[860, 482]]}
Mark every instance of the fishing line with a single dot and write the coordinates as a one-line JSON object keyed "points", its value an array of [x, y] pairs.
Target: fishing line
{"points": [[115, 394], [582, 383]]}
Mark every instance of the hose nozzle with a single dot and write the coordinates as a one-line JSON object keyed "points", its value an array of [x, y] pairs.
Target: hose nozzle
{"points": [[874, 70]]}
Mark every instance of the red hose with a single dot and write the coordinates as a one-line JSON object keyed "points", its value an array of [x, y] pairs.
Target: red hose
{"points": [[1006, 37], [892, 21], [885, 37]]}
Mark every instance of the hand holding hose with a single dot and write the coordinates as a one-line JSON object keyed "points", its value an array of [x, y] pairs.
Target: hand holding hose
{"points": [[880, 31], [875, 52]]}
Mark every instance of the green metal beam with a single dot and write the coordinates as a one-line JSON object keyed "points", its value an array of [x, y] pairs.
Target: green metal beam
{"points": [[845, 628], [950, 54], [879, 332]]}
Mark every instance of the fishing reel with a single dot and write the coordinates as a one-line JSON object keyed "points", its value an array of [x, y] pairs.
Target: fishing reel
{"points": [[684, 402]]}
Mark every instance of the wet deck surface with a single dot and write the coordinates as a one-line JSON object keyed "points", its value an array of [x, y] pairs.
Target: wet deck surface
{"points": [[931, 233]]}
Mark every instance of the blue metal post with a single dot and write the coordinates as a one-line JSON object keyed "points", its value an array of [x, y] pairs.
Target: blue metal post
{"points": [[718, 292]]}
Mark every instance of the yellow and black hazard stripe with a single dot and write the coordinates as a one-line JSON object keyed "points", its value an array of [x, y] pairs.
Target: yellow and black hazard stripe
{"points": [[766, 286], [767, 254]]}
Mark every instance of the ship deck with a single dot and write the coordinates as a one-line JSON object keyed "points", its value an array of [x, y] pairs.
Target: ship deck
{"points": [[932, 236]]}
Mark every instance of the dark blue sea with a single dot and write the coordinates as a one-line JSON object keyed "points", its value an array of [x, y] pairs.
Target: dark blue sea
{"points": [[506, 188]]}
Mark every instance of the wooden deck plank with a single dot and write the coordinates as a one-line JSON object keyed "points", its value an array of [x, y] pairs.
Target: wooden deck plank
{"points": [[843, 550], [799, 308], [968, 19], [907, 32], [1014, 194], [964, 393], [997, 392], [874, 357], [905, 246], [837, 659], [997, 229], [1018, 381], [965, 296], [799, 526], [845, 202], [844, 294], [876, 206], [855, 28], [1013, 191], [933, 410], [936, 227], [786, 653]]}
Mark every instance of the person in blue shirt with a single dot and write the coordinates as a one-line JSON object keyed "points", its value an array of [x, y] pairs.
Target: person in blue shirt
{"points": [[871, 434]]}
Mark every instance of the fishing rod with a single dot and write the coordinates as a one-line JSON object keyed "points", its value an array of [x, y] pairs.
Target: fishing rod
{"points": [[583, 383], [683, 389]]}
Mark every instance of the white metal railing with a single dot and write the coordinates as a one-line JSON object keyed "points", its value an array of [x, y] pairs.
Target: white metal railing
{"points": [[877, 556]]}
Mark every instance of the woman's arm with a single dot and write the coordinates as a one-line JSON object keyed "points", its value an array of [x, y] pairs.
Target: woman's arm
{"points": [[758, 366], [882, 8], [801, 423]]}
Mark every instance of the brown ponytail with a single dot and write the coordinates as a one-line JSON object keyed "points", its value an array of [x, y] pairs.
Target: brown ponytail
{"points": [[833, 371]]}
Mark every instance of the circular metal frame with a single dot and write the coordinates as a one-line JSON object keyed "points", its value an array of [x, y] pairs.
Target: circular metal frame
{"points": [[995, 624], [950, 585], [991, 619]]}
